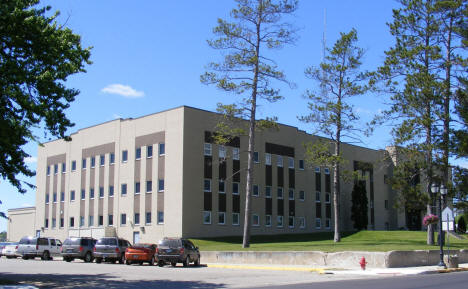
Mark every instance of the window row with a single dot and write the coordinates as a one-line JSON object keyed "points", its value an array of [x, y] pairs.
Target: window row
{"points": [[256, 222], [102, 159]]}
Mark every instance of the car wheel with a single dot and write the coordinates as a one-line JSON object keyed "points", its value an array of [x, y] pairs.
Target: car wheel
{"points": [[187, 261], [128, 262], [197, 262], [88, 258], [173, 264], [122, 259], [160, 263], [151, 262], [98, 260], [67, 259], [45, 255], [25, 257]]}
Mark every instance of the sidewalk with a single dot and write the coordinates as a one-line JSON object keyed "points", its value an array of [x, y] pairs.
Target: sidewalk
{"points": [[343, 271]]}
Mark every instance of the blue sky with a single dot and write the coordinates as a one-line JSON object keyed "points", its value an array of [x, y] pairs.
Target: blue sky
{"points": [[148, 56]]}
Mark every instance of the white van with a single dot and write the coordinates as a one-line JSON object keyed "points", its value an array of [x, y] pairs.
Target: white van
{"points": [[46, 248]]}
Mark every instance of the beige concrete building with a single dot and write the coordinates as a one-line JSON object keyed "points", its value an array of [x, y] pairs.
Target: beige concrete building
{"points": [[162, 175], [21, 223]]}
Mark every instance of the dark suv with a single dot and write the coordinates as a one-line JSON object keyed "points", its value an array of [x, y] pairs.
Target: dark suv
{"points": [[110, 249], [78, 248], [176, 250]]}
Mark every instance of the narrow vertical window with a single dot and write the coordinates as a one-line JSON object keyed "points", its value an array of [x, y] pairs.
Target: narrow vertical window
{"points": [[138, 153], [149, 151], [149, 186], [72, 195], [160, 217], [83, 164], [148, 218], [137, 188], [161, 185], [111, 191], [235, 154], [268, 159], [102, 160], [137, 218], [207, 149], [255, 157], [73, 166], [123, 189], [291, 163], [123, 219], [279, 161], [111, 158], [162, 149], [124, 156], [222, 152], [301, 164], [93, 162]]}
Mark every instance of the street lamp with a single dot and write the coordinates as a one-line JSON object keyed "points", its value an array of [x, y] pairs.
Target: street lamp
{"points": [[443, 191]]}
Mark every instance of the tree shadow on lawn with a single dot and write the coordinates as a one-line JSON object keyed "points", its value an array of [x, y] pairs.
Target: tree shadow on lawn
{"points": [[99, 281]]}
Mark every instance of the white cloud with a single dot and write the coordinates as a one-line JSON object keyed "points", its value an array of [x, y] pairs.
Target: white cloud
{"points": [[123, 90], [30, 160]]}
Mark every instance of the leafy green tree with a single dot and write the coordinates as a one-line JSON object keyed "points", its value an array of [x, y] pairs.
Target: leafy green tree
{"points": [[410, 76], [461, 225], [332, 113], [248, 71], [3, 236], [36, 57], [359, 207]]}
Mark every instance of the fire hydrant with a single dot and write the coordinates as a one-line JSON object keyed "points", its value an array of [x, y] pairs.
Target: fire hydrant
{"points": [[363, 263]]}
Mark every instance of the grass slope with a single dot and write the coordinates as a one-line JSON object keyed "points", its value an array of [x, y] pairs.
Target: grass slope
{"points": [[355, 241]]}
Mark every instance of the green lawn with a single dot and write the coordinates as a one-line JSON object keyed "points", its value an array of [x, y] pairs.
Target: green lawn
{"points": [[359, 241]]}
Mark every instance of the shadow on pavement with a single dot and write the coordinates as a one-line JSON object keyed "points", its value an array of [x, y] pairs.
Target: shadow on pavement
{"points": [[100, 281]]}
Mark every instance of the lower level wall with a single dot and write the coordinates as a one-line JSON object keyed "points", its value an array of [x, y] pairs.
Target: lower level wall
{"points": [[392, 259]]}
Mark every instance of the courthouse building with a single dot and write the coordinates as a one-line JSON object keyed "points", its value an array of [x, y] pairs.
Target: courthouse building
{"points": [[162, 175]]}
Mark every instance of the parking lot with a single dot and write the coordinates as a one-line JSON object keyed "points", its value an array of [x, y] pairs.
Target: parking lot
{"points": [[60, 274]]}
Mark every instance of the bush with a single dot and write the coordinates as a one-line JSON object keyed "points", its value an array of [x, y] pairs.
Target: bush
{"points": [[461, 225]]}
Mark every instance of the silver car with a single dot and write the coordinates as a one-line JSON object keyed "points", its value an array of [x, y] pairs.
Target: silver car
{"points": [[110, 249], [46, 248], [10, 250]]}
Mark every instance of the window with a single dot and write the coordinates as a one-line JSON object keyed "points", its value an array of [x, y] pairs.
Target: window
{"points": [[148, 218], [137, 188], [318, 223], [138, 153], [221, 186], [255, 191], [72, 195], [280, 193], [235, 188], [93, 162], [302, 223], [101, 192], [207, 185], [162, 149], [101, 221], [317, 169], [91, 193], [235, 154], [206, 217], [221, 218], [123, 219], [207, 149], [317, 197], [268, 159], [291, 163], [62, 196], [149, 151], [301, 195], [64, 168], [54, 196], [81, 221], [267, 192], [255, 220], [327, 223], [73, 166], [222, 152], [268, 220], [235, 219], [124, 156], [47, 198], [291, 221], [279, 221], [110, 220], [371, 204], [48, 170], [149, 186], [54, 222], [123, 189], [291, 193], [102, 160], [83, 164], [111, 158], [279, 161], [72, 222], [83, 194], [62, 222], [327, 171], [136, 219], [111, 191], [55, 168], [327, 198], [46, 223], [255, 157], [301, 164], [160, 217], [161, 185], [90, 221], [386, 204]]}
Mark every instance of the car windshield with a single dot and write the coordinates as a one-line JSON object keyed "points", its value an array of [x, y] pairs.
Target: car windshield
{"points": [[171, 243], [107, 241], [28, 241], [72, 241]]}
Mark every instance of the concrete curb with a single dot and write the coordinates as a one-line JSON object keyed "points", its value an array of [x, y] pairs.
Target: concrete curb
{"points": [[274, 268], [448, 270]]}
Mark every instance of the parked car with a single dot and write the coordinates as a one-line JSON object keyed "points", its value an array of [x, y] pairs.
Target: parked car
{"points": [[2, 246], [110, 249], [78, 248], [10, 250], [176, 250], [140, 253], [46, 248]]}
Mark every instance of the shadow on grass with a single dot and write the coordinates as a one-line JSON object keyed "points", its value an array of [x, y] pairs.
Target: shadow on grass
{"points": [[98, 281]]}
